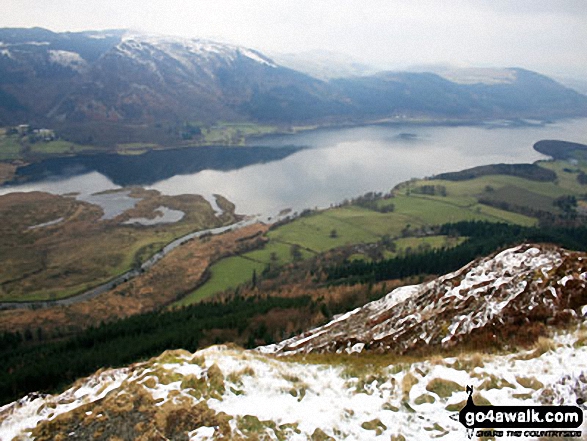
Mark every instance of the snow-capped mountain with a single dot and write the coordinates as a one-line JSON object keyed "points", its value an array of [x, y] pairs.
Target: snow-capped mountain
{"points": [[518, 290], [225, 392], [121, 77], [88, 83], [148, 79]]}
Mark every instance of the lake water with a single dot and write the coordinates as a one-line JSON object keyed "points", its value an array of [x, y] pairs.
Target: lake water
{"points": [[305, 170]]}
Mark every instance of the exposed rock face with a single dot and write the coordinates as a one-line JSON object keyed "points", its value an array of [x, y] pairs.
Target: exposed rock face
{"points": [[518, 290]]}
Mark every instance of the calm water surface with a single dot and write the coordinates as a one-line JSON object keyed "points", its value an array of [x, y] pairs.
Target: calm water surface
{"points": [[313, 169]]}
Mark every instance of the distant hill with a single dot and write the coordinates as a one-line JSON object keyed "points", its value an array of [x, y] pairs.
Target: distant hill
{"points": [[111, 86], [520, 94], [325, 65], [561, 149]]}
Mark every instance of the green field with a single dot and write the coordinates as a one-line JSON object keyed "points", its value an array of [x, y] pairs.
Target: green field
{"points": [[17, 147], [414, 244], [9, 147], [58, 147], [313, 232], [475, 187], [233, 133], [352, 225], [134, 148], [226, 274], [276, 253]]}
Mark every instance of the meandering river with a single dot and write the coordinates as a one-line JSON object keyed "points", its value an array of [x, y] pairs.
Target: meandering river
{"points": [[306, 170]]}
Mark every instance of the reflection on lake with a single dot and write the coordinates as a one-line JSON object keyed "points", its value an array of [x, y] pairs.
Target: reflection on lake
{"points": [[150, 167], [339, 164]]}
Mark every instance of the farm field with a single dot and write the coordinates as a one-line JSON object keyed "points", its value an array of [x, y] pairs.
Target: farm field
{"points": [[413, 210]]}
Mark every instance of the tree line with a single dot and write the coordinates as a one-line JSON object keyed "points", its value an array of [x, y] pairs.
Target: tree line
{"points": [[26, 367], [483, 238], [30, 363]]}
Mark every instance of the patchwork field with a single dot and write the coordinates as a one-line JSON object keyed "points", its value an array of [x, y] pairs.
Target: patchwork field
{"points": [[417, 205]]}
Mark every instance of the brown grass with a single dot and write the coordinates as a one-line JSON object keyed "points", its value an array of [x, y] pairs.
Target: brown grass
{"points": [[82, 250], [7, 172], [174, 275]]}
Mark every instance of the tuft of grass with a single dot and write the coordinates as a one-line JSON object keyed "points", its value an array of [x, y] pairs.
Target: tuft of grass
{"points": [[468, 362], [319, 435], [478, 399], [437, 427], [389, 406], [173, 356], [150, 383], [542, 346], [529, 383], [581, 339], [208, 386], [198, 360], [375, 425], [425, 399], [494, 382], [291, 378], [253, 428], [364, 382], [408, 381], [443, 388], [236, 377]]}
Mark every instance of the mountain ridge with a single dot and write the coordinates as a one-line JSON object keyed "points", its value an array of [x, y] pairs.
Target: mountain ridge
{"points": [[78, 81]]}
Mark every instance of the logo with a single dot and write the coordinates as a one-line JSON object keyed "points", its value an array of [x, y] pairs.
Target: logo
{"points": [[533, 419]]}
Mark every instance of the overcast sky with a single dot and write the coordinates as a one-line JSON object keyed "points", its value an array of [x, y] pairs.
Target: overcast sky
{"points": [[547, 36]]}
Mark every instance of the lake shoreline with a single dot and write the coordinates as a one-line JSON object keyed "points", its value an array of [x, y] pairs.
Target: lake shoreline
{"points": [[249, 140]]}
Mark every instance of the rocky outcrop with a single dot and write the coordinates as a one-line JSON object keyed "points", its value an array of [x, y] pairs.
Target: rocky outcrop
{"points": [[511, 295]]}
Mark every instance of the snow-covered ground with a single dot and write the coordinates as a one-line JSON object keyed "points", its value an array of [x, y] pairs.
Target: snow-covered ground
{"points": [[229, 393], [354, 401], [494, 291]]}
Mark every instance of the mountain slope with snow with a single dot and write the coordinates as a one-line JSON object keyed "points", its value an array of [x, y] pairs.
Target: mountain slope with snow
{"points": [[155, 79], [89, 82], [225, 392], [229, 393], [494, 298], [121, 77]]}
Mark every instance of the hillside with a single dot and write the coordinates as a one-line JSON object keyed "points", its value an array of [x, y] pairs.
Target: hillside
{"points": [[487, 300], [562, 150], [226, 392], [104, 88]]}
